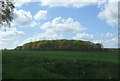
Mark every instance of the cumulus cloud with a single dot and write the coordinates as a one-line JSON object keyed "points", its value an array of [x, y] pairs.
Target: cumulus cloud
{"points": [[47, 36], [84, 36], [10, 34], [110, 13], [19, 3], [42, 36], [109, 34], [41, 15], [60, 25], [61, 3], [55, 29], [70, 3], [8, 38], [111, 43], [109, 8], [9, 45], [23, 19]]}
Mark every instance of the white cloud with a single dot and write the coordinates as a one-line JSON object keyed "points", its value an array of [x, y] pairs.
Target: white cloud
{"points": [[8, 38], [23, 19], [47, 36], [41, 15], [112, 43], [110, 13], [10, 34], [61, 3], [9, 44], [70, 3], [42, 36], [84, 36], [19, 3], [55, 29], [60, 25], [109, 34]]}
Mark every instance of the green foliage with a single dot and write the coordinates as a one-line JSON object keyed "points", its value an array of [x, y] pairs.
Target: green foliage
{"points": [[73, 45], [59, 65], [6, 12]]}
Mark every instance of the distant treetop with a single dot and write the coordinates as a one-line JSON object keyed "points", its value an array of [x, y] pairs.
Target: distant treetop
{"points": [[63, 45]]}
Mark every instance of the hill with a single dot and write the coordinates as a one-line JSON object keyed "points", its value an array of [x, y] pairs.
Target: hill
{"points": [[60, 45]]}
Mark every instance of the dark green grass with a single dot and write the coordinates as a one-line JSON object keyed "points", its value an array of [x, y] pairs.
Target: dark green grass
{"points": [[111, 57], [59, 65]]}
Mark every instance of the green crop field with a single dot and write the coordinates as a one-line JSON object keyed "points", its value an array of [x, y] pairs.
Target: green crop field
{"points": [[59, 65]]}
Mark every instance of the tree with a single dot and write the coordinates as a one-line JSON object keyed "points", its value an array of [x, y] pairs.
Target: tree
{"points": [[6, 12], [98, 46], [63, 45]]}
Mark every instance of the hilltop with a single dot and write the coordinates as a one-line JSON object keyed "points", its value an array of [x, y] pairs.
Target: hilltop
{"points": [[62, 45]]}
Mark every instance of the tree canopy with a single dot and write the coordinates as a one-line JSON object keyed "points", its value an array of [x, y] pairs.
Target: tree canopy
{"points": [[6, 12], [62, 45]]}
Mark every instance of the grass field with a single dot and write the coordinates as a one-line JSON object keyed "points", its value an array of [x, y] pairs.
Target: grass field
{"points": [[59, 65]]}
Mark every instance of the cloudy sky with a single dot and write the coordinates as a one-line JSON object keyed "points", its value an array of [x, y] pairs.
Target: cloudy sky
{"points": [[89, 20]]}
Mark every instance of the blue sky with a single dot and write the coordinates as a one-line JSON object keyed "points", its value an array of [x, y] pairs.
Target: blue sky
{"points": [[90, 21]]}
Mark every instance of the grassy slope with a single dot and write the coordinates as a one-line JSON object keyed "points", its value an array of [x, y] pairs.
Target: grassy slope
{"points": [[59, 64]]}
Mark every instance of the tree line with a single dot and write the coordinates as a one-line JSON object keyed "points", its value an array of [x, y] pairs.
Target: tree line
{"points": [[62, 45]]}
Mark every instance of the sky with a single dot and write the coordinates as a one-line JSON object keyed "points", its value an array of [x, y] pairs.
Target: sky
{"points": [[34, 20]]}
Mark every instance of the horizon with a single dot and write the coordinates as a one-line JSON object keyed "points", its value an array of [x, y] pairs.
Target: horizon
{"points": [[50, 40]]}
